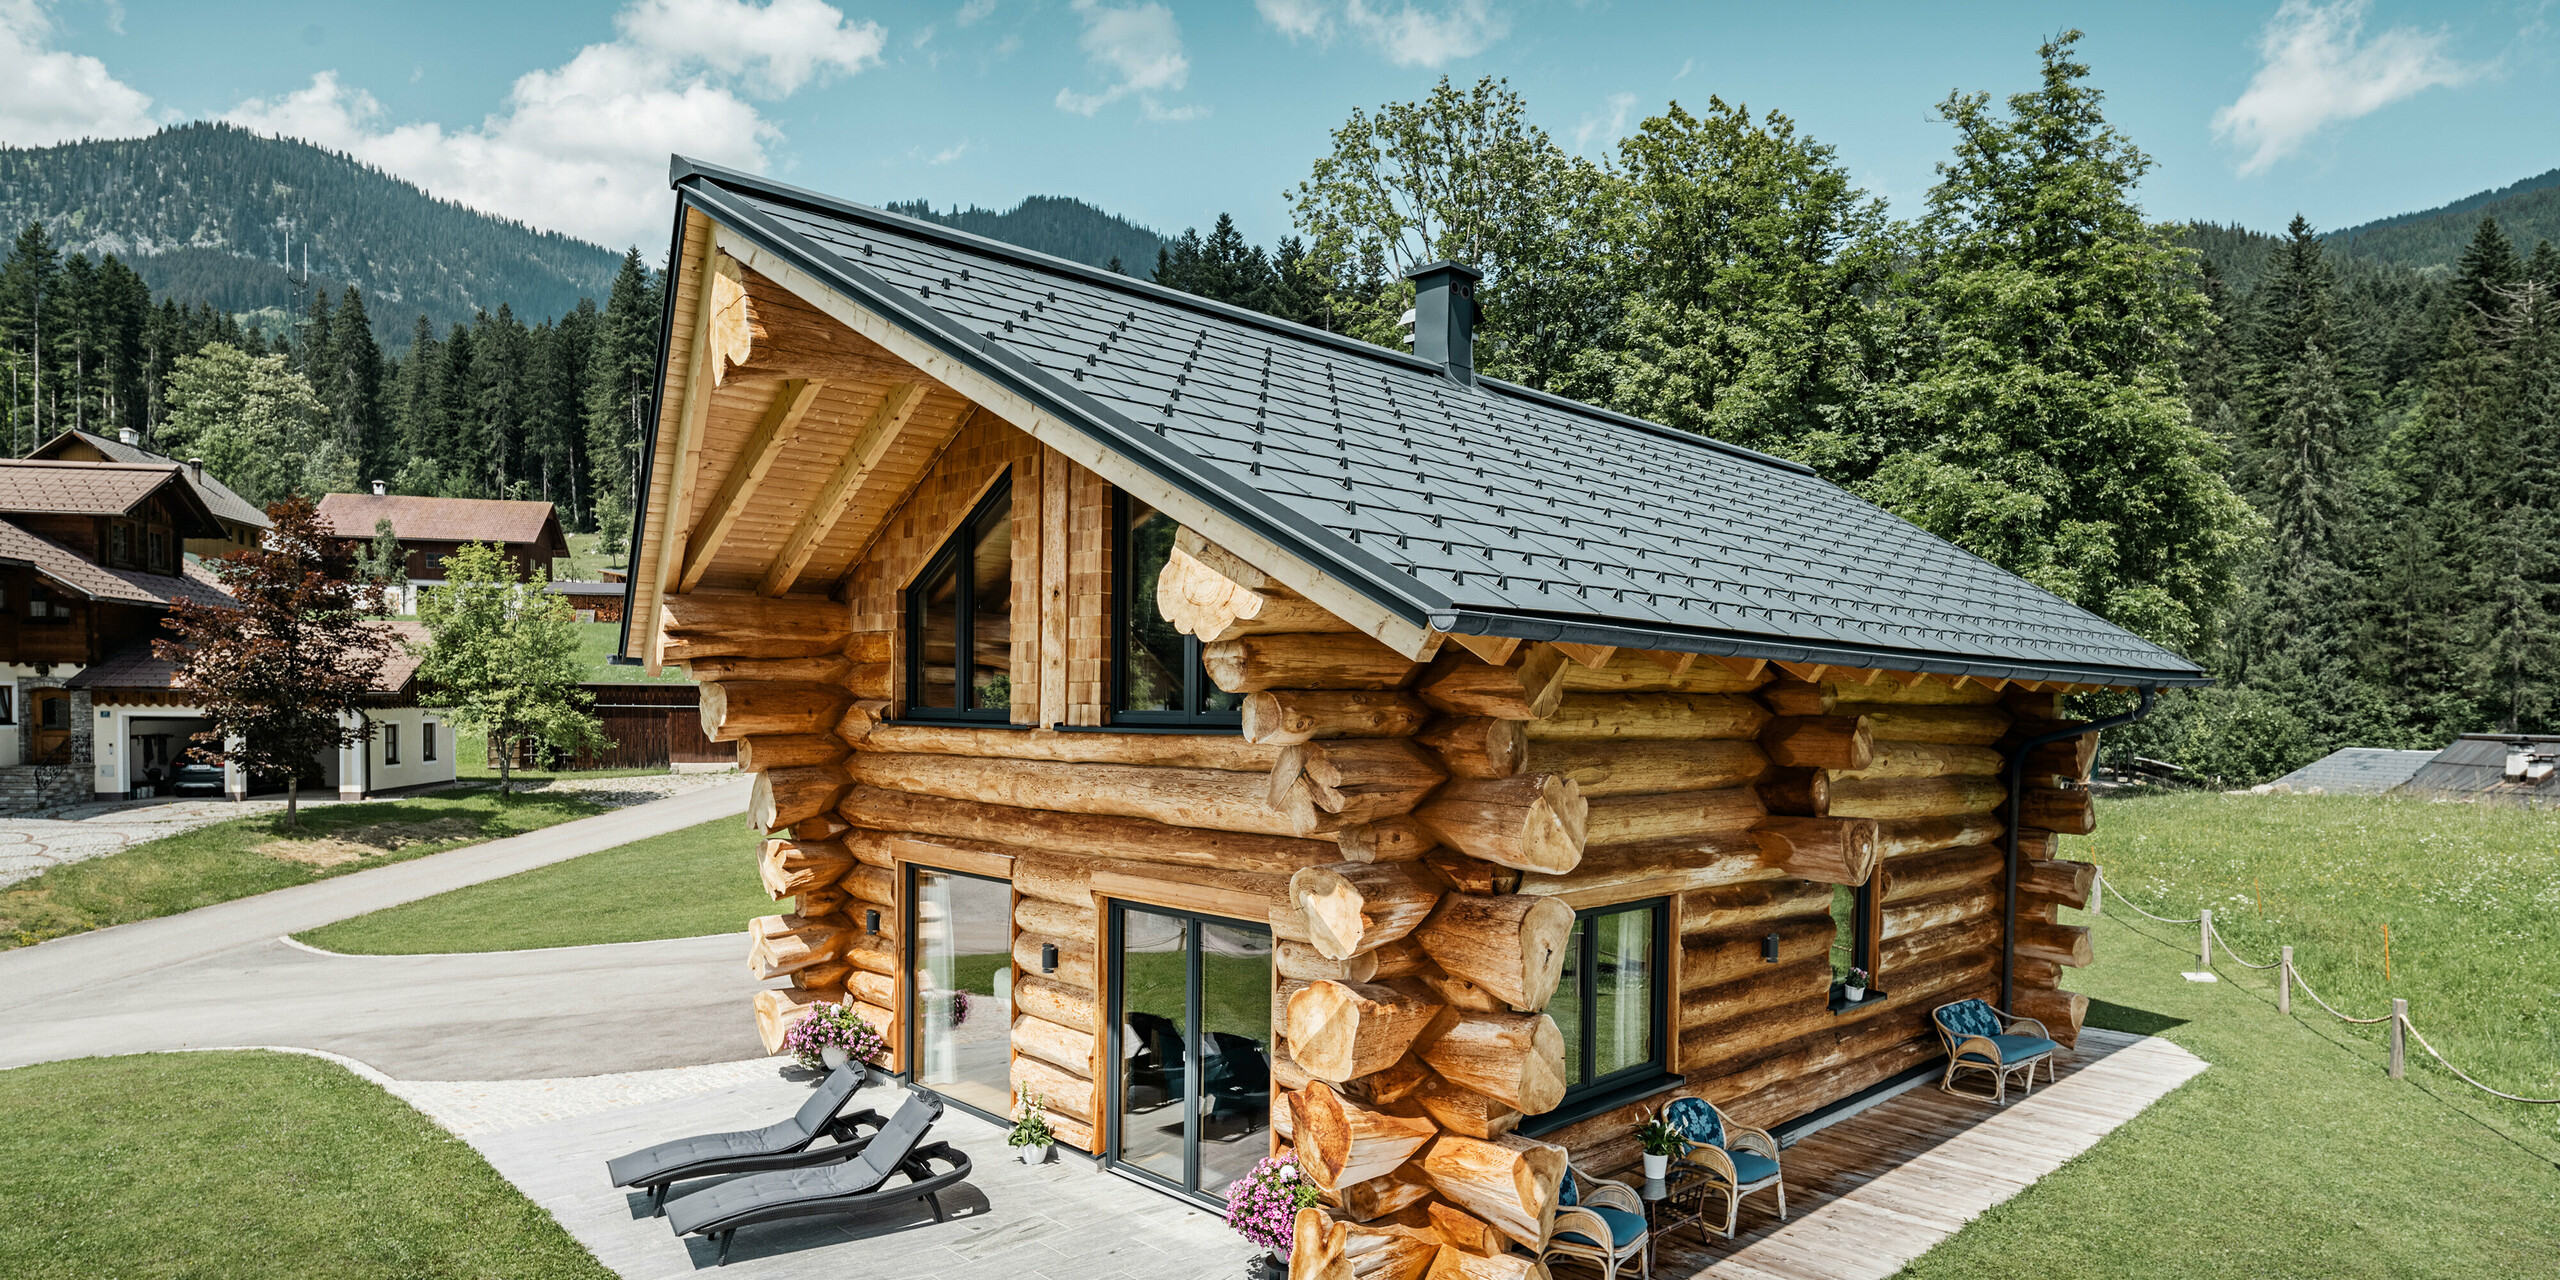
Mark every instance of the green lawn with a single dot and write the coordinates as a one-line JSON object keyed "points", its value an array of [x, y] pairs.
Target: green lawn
{"points": [[253, 855], [471, 763], [598, 641], [679, 885], [2294, 1155], [244, 1165]]}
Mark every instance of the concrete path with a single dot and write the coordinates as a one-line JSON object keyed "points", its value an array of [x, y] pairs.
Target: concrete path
{"points": [[49, 970], [1065, 1220]]}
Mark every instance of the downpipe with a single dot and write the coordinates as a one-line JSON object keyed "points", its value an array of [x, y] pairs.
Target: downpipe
{"points": [[2017, 776]]}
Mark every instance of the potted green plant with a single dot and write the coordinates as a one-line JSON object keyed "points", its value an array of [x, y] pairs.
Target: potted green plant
{"points": [[1855, 985], [1661, 1142], [1031, 1137], [1262, 1206]]}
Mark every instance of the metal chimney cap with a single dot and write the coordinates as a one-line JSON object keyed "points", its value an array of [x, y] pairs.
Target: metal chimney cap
{"points": [[129, 435], [1444, 324], [380, 489]]}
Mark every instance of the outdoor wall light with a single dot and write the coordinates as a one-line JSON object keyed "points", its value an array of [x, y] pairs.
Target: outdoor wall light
{"points": [[1769, 948], [1048, 957], [871, 920]]}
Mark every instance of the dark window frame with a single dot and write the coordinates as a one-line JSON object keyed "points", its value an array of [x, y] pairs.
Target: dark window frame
{"points": [[910, 1017], [427, 740], [1595, 1094], [391, 742], [1862, 944], [964, 536], [1196, 686], [1116, 1052]]}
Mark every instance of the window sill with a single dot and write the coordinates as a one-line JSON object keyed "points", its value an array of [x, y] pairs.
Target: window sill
{"points": [[1576, 1110], [1841, 1003], [955, 722], [1194, 730]]}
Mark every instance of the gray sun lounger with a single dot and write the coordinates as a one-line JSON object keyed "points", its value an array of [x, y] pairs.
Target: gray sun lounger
{"points": [[784, 1144], [718, 1210]]}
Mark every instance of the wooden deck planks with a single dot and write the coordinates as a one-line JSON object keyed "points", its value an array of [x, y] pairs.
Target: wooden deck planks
{"points": [[1875, 1191]]}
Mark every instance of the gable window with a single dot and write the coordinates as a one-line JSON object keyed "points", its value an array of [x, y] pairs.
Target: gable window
{"points": [[160, 549], [391, 744], [44, 606], [960, 620], [1611, 1005], [1158, 677], [119, 543], [427, 740]]}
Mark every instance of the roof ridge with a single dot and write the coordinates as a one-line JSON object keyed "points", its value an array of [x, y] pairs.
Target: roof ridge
{"points": [[683, 167]]}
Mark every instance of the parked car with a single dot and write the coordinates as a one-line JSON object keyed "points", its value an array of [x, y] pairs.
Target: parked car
{"points": [[196, 777]]}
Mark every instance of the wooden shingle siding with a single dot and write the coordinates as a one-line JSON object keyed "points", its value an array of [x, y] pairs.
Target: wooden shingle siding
{"points": [[1089, 598]]}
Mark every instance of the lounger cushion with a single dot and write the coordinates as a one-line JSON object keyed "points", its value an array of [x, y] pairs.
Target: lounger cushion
{"points": [[1751, 1166], [655, 1164], [2015, 1049], [723, 1201], [1624, 1229], [1969, 1018], [1694, 1119]]}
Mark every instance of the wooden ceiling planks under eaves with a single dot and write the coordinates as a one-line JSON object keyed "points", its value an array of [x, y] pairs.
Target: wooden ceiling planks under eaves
{"points": [[854, 379]]}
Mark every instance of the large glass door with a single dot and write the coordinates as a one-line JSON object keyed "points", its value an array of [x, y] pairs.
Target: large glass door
{"points": [[960, 988], [1190, 1090]]}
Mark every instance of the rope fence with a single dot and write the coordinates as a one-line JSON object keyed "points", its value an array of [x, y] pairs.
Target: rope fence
{"points": [[2289, 977]]}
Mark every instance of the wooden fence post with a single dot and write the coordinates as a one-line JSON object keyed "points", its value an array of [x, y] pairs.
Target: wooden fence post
{"points": [[2204, 940], [2284, 982], [2399, 1038]]}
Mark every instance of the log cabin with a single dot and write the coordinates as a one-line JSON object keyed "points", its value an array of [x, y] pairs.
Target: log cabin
{"points": [[1231, 737]]}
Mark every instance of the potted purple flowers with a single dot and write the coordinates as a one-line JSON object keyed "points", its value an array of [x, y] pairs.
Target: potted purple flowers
{"points": [[1262, 1206], [833, 1035]]}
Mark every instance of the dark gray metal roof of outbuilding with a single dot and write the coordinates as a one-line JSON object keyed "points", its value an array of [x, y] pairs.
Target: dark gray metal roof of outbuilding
{"points": [[1487, 510]]}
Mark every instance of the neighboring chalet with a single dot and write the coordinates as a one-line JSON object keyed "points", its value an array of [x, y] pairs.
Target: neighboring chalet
{"points": [[242, 522], [1280, 739], [90, 562], [430, 529], [145, 725]]}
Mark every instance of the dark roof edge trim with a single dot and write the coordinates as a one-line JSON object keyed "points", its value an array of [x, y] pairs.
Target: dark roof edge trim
{"points": [[649, 445], [1294, 533], [683, 168], [1731, 645]]}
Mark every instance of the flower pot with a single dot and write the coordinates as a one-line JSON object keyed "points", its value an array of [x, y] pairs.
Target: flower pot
{"points": [[1655, 1167], [1855, 994], [1033, 1153], [835, 1057]]}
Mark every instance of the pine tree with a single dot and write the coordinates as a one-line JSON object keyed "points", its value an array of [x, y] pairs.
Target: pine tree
{"points": [[621, 373], [26, 294]]}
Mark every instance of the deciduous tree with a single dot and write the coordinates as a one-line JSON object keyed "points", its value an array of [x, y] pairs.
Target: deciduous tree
{"points": [[503, 656]]}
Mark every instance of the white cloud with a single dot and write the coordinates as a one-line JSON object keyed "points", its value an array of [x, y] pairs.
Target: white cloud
{"points": [[2316, 69], [583, 148], [1604, 129], [1298, 19], [974, 11], [1139, 48], [49, 96], [950, 153], [1408, 34]]}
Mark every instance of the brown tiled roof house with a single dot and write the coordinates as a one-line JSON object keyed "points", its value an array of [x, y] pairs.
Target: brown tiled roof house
{"points": [[432, 528]]}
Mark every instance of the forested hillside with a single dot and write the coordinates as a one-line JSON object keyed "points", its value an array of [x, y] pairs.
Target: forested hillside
{"points": [[1054, 225], [2433, 239], [207, 212]]}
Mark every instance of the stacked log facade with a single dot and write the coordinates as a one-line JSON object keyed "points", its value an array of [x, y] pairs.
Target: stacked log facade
{"points": [[1416, 830]]}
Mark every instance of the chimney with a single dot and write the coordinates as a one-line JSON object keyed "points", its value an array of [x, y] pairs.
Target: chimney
{"points": [[195, 467], [379, 489], [129, 435], [1444, 318]]}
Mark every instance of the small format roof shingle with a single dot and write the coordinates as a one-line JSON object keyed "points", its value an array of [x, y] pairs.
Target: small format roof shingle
{"points": [[37, 487], [137, 667], [354, 515], [97, 581], [226, 505], [1485, 509], [2356, 771]]}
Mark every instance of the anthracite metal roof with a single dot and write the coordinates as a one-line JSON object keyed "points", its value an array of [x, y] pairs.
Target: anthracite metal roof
{"points": [[2357, 771], [1492, 509]]}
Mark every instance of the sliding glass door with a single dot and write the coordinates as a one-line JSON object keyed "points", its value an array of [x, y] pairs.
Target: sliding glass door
{"points": [[959, 987], [1190, 1087]]}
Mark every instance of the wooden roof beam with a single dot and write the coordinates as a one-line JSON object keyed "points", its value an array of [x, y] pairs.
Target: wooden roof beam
{"points": [[792, 401], [890, 418]]}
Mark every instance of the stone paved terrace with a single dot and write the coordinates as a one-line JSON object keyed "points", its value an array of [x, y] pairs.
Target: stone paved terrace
{"points": [[1060, 1221]]}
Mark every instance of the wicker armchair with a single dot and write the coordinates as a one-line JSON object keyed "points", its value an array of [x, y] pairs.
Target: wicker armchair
{"points": [[1736, 1160], [1980, 1038], [1599, 1222]]}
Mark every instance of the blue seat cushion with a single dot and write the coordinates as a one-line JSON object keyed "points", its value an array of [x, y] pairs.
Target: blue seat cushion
{"points": [[1624, 1229], [2016, 1049], [1969, 1018], [1566, 1192], [1749, 1166]]}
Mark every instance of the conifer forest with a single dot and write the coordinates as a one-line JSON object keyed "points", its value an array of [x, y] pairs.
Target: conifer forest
{"points": [[2329, 472]]}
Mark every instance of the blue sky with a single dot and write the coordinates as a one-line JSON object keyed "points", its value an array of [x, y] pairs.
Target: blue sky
{"points": [[562, 113]]}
